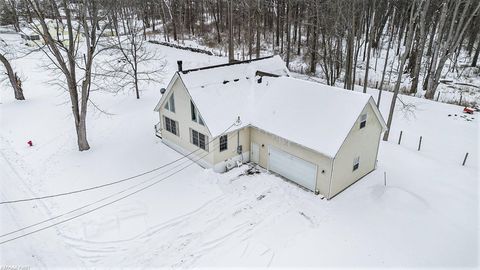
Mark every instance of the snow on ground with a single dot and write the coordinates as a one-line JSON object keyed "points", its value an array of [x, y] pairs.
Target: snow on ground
{"points": [[426, 216]]}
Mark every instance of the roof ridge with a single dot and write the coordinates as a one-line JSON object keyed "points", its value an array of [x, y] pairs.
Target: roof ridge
{"points": [[225, 65]]}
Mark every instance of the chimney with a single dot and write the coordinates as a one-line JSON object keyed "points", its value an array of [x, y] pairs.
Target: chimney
{"points": [[180, 67]]}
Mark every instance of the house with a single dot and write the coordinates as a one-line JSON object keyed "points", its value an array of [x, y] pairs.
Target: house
{"points": [[323, 138], [31, 33]]}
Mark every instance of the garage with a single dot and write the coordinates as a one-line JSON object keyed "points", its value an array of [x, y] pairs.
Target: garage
{"points": [[293, 168]]}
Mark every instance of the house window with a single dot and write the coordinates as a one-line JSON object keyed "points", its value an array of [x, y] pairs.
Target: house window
{"points": [[171, 125], [199, 139], [363, 120], [223, 143], [194, 111], [356, 163], [170, 105], [195, 115]]}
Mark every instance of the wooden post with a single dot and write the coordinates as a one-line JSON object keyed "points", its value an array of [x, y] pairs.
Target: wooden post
{"points": [[400, 138], [438, 96], [465, 159], [376, 85], [385, 178], [359, 81], [420, 143]]}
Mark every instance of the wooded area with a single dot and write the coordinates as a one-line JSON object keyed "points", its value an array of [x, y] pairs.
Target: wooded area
{"points": [[333, 36]]}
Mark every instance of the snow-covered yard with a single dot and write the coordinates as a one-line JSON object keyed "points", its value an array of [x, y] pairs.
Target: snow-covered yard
{"points": [[425, 216]]}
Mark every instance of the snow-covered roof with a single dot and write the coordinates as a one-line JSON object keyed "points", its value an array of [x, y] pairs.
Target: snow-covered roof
{"points": [[310, 114], [217, 75]]}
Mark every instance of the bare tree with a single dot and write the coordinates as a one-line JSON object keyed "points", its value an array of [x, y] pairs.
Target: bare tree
{"points": [[401, 65], [14, 79], [449, 37], [9, 11], [72, 53], [132, 62]]}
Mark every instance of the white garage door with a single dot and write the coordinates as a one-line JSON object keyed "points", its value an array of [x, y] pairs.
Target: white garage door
{"points": [[293, 168]]}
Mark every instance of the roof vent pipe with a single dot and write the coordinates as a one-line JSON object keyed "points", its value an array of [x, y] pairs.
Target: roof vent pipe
{"points": [[180, 63]]}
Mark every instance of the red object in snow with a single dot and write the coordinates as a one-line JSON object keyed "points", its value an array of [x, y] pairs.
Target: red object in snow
{"points": [[30, 143], [468, 110]]}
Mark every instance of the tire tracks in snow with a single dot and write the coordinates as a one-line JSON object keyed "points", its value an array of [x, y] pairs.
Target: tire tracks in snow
{"points": [[25, 188], [222, 222]]}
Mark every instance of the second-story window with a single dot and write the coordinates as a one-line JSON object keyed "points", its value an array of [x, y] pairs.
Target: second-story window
{"points": [[170, 105], [195, 115]]}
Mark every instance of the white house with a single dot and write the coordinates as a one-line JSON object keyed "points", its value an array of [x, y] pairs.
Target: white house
{"points": [[321, 137]]}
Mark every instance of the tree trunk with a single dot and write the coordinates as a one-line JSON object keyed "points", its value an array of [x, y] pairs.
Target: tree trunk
{"points": [[13, 78], [231, 56], [403, 59], [81, 129], [386, 60], [314, 41], [288, 34], [257, 24], [367, 66], [420, 48], [475, 56]]}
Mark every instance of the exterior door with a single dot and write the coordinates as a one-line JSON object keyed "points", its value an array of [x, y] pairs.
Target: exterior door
{"points": [[293, 168], [255, 153]]}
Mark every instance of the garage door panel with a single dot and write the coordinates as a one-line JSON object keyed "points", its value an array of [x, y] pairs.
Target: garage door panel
{"points": [[293, 168]]}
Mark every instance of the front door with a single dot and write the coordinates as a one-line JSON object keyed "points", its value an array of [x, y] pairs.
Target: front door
{"points": [[255, 153]]}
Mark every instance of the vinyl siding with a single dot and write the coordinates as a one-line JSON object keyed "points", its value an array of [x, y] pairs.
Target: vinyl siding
{"points": [[183, 117], [266, 139], [361, 143]]}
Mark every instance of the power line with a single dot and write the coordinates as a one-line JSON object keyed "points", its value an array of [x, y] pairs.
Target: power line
{"points": [[114, 182], [96, 208], [93, 203], [103, 199]]}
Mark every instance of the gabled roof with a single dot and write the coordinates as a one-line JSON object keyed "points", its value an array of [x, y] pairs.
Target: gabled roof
{"points": [[316, 116]]}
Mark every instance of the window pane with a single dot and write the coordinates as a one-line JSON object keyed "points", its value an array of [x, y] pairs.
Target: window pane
{"points": [[172, 103], [201, 140], [356, 163], [223, 143], [174, 127], [193, 111], [167, 124], [194, 137], [363, 120]]}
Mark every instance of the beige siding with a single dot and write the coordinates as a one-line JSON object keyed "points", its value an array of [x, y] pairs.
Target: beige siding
{"points": [[361, 143], [232, 145], [265, 139], [333, 175], [183, 117]]}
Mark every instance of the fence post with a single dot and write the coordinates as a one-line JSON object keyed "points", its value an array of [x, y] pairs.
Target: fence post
{"points": [[376, 85], [400, 138], [385, 178], [438, 96], [420, 143], [465, 159]]}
